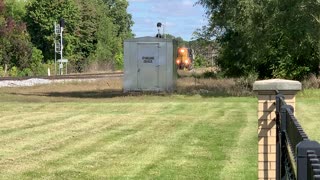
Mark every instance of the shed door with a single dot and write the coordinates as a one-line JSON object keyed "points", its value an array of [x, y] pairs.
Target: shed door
{"points": [[148, 66]]}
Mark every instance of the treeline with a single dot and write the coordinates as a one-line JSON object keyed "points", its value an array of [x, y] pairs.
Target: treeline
{"points": [[93, 34], [268, 38]]}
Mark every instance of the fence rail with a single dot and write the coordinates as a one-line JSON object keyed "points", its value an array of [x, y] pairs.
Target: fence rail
{"points": [[297, 156]]}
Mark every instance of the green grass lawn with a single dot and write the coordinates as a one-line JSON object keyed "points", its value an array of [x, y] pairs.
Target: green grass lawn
{"points": [[139, 137], [133, 137], [308, 112]]}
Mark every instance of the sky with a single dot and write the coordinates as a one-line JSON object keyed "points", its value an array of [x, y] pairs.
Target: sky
{"points": [[179, 17]]}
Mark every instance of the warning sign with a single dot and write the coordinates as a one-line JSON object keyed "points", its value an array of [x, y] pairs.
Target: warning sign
{"points": [[147, 59]]}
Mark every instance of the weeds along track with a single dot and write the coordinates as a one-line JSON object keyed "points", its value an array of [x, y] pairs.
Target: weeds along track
{"points": [[69, 76]]}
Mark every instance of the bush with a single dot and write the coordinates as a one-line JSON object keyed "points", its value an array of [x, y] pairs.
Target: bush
{"points": [[37, 68], [312, 82], [13, 72], [25, 72], [209, 74], [199, 61], [205, 75], [196, 76], [290, 70], [119, 62], [246, 82], [1, 72]]}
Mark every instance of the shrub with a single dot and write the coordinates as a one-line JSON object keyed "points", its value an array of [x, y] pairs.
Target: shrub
{"points": [[209, 74], [25, 72], [13, 72], [246, 82], [196, 75], [119, 60], [1, 72], [312, 82], [37, 68], [199, 61]]}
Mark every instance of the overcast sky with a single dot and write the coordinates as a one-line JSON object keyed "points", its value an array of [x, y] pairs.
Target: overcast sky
{"points": [[181, 17]]}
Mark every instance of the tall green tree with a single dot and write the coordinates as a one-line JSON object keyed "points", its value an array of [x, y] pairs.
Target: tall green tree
{"points": [[40, 17], [107, 45], [299, 38], [269, 37], [95, 29], [122, 20], [102, 31], [86, 32], [16, 9], [120, 17]]}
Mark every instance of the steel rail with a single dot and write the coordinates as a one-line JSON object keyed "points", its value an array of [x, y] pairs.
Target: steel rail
{"points": [[71, 76]]}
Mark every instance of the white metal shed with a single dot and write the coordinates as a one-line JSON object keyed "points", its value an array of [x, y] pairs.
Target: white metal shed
{"points": [[149, 64]]}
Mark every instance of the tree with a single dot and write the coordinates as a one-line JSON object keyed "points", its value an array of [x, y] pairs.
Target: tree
{"points": [[205, 50], [15, 46], [40, 17], [120, 17], [299, 39], [16, 9], [95, 29], [102, 34], [269, 37], [122, 21]]}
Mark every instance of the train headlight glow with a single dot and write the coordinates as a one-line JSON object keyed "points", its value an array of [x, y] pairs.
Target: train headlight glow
{"points": [[186, 61], [182, 50], [178, 61]]}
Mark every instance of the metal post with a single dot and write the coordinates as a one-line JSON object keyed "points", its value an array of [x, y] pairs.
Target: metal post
{"points": [[61, 45], [55, 47], [282, 129], [211, 62], [279, 136], [164, 30], [282, 116]]}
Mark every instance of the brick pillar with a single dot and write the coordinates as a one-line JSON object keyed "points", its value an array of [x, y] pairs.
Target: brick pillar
{"points": [[266, 92]]}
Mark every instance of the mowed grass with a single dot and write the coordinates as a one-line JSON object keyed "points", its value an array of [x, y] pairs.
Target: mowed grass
{"points": [[92, 131], [125, 137], [308, 112]]}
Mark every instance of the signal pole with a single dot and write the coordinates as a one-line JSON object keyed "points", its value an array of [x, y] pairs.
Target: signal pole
{"points": [[58, 45], [61, 43], [55, 47]]}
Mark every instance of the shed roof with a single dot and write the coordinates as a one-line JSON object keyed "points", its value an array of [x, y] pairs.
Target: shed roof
{"points": [[148, 39]]}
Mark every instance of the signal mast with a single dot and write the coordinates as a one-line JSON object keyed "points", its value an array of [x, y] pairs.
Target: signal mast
{"points": [[58, 47]]}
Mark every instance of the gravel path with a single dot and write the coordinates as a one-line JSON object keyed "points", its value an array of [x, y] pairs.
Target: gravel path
{"points": [[35, 81]]}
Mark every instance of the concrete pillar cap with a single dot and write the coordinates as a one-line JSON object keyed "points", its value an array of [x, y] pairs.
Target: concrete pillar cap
{"points": [[277, 84]]}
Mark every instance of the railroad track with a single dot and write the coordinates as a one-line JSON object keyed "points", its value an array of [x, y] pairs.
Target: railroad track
{"points": [[71, 76]]}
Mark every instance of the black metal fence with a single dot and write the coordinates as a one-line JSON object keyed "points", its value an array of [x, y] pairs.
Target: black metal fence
{"points": [[297, 156]]}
